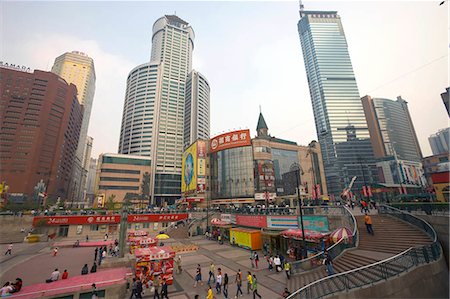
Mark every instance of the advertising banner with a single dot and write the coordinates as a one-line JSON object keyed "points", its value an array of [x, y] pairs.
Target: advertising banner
{"points": [[316, 223], [282, 222], [201, 148], [252, 221], [230, 140], [189, 169], [263, 196], [157, 217], [68, 220], [201, 167]]}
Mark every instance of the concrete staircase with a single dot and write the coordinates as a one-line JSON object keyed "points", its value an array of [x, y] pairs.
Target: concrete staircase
{"points": [[181, 232], [391, 237]]}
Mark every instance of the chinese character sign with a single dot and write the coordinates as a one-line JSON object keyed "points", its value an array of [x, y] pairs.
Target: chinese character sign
{"points": [[230, 140]]}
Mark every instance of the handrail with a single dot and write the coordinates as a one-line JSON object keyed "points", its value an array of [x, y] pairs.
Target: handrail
{"points": [[298, 264], [434, 236], [410, 258]]}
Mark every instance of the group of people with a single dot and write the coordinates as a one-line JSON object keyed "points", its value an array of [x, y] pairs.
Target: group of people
{"points": [[56, 275], [11, 287], [221, 282]]}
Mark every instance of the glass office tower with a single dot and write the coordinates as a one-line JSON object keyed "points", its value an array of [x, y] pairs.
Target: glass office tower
{"points": [[338, 112]]}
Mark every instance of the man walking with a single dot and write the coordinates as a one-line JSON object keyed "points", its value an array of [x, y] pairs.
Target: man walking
{"points": [[238, 281], [368, 222], [256, 257], [249, 282], [255, 287], [212, 269], [219, 281], [287, 269], [9, 249], [164, 291], [329, 263], [156, 283], [95, 253]]}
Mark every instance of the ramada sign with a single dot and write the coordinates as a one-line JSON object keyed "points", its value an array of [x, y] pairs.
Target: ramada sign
{"points": [[107, 219]]}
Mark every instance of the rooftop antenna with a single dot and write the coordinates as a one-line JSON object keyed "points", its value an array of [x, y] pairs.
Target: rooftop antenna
{"points": [[260, 109], [301, 8]]}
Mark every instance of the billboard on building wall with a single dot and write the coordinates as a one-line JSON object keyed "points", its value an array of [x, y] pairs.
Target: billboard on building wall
{"points": [[230, 140], [252, 221], [282, 222], [189, 169], [317, 223]]}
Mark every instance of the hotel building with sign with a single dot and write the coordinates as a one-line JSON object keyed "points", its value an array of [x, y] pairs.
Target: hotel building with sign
{"points": [[262, 170]]}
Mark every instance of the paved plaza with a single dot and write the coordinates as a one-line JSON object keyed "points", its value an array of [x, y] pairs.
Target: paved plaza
{"points": [[34, 263]]}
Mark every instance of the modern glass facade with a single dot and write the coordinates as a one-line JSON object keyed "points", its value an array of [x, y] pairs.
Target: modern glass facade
{"points": [[232, 173], [196, 108], [138, 117], [396, 129], [339, 117], [284, 162]]}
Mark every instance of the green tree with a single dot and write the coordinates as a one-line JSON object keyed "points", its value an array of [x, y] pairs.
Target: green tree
{"points": [[110, 202]]}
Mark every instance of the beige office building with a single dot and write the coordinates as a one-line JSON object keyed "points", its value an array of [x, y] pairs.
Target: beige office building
{"points": [[78, 68], [121, 176]]}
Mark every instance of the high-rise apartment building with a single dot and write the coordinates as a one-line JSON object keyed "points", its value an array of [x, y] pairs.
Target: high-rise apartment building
{"points": [[40, 120], [338, 113], [78, 68], [391, 128], [439, 142], [196, 108], [153, 118]]}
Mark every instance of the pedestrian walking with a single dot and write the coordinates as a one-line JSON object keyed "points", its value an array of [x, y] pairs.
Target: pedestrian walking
{"points": [[255, 287], [251, 259], [139, 288], [156, 284], [133, 288], [219, 281], [249, 282], [95, 253], [328, 263], [225, 285], [9, 249], [55, 251], [270, 262], [238, 281], [210, 294], [164, 290], [178, 263], [368, 222], [85, 270], [256, 257], [277, 263], [287, 269], [212, 269], [198, 276]]}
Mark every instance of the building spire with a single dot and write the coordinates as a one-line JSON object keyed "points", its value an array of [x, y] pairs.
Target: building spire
{"points": [[301, 8]]}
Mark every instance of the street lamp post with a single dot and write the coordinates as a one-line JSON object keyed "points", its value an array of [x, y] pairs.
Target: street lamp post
{"points": [[297, 175]]}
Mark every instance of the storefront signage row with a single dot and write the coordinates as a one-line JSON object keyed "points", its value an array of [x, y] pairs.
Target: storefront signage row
{"points": [[252, 221], [105, 219]]}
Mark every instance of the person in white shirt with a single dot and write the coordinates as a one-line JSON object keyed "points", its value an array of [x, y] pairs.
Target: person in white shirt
{"points": [[54, 276], [219, 281], [6, 289], [277, 263]]}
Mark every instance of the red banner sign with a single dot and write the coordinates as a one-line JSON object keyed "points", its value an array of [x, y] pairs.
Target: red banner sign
{"points": [[106, 219], [230, 140], [68, 220], [253, 221], [157, 217]]}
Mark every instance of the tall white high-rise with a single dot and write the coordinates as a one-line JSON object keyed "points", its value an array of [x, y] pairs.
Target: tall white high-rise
{"points": [[196, 108], [78, 68], [153, 117]]}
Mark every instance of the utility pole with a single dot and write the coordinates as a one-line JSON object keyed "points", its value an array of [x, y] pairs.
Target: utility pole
{"points": [[297, 175]]}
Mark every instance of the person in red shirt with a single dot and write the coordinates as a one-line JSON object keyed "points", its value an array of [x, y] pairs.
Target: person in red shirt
{"points": [[65, 274]]}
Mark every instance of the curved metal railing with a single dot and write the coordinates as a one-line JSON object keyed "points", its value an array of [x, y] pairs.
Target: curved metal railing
{"points": [[382, 270], [335, 250]]}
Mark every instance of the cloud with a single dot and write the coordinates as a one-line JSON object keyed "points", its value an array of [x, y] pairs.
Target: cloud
{"points": [[39, 52]]}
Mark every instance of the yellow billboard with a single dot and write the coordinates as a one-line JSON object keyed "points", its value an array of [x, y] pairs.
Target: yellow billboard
{"points": [[189, 169]]}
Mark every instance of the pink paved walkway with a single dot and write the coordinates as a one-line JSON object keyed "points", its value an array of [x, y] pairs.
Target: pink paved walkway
{"points": [[83, 244], [82, 283]]}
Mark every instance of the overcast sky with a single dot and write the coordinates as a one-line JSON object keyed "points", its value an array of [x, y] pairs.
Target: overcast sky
{"points": [[250, 53]]}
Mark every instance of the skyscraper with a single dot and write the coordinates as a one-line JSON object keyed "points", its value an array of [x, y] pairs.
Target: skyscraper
{"points": [[391, 128], [40, 125], [338, 113], [440, 142], [153, 118], [196, 108], [78, 68]]}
